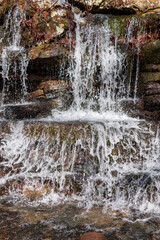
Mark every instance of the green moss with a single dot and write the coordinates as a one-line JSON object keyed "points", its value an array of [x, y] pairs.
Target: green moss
{"points": [[118, 24]]}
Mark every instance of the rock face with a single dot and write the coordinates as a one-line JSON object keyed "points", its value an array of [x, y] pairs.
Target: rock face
{"points": [[150, 75], [118, 6]]}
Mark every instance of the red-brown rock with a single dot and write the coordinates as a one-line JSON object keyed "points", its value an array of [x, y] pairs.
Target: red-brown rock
{"points": [[93, 236]]}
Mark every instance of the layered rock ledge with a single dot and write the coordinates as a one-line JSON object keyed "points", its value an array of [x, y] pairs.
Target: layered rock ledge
{"points": [[114, 6]]}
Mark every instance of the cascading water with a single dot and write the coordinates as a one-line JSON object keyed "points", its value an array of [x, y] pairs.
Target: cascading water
{"points": [[14, 61], [98, 64], [101, 74], [97, 155], [115, 163]]}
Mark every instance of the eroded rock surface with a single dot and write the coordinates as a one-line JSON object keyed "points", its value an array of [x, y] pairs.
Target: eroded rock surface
{"points": [[119, 6]]}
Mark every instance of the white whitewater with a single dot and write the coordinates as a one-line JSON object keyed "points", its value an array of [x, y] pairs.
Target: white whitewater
{"points": [[114, 163], [96, 71], [97, 155]]}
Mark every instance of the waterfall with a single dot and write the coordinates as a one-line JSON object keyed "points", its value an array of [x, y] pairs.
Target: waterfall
{"points": [[101, 74], [14, 61], [92, 154]]}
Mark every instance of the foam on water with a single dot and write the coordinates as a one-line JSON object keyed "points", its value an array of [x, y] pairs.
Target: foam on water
{"points": [[87, 116]]}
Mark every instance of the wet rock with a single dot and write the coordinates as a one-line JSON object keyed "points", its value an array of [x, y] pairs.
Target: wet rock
{"points": [[38, 94], [40, 108], [152, 102], [74, 183], [28, 111], [49, 95], [36, 192], [5, 5], [50, 90], [152, 20], [136, 110], [55, 94], [93, 236]]}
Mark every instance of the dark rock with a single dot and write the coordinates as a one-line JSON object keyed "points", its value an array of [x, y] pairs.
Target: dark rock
{"points": [[152, 20], [152, 102], [47, 66], [152, 92], [28, 111]]}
